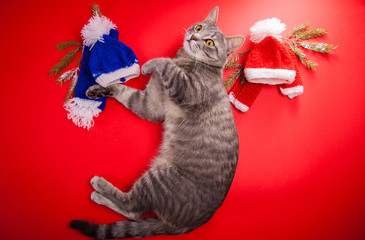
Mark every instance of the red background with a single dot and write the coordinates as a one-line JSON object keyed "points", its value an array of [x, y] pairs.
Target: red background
{"points": [[301, 169]]}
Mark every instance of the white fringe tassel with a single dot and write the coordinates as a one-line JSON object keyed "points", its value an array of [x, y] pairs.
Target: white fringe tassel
{"points": [[268, 27], [82, 111], [94, 30]]}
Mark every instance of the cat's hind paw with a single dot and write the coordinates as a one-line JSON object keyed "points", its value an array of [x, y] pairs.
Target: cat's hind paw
{"points": [[101, 185], [97, 198], [102, 200]]}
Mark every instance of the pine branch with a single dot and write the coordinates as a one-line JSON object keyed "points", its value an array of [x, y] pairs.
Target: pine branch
{"points": [[318, 47], [64, 45], [309, 64], [239, 55], [95, 10], [72, 87], [65, 77], [233, 60], [64, 62], [232, 77], [295, 50], [242, 77], [299, 29], [302, 32], [232, 65], [311, 34]]}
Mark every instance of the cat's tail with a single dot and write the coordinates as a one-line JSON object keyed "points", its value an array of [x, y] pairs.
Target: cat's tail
{"points": [[125, 229]]}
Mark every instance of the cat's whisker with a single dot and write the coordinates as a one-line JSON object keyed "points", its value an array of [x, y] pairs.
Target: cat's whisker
{"points": [[184, 31]]}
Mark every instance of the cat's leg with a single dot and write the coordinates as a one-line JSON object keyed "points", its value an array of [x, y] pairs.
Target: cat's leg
{"points": [[147, 104], [121, 202], [148, 193], [180, 84], [102, 200]]}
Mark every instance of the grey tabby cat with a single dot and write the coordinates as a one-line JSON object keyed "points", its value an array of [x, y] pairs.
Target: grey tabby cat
{"points": [[189, 179]]}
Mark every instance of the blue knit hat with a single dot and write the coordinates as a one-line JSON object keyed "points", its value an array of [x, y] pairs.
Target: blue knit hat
{"points": [[105, 61]]}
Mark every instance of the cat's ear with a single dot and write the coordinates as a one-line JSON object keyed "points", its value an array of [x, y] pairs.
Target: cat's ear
{"points": [[213, 16], [234, 43]]}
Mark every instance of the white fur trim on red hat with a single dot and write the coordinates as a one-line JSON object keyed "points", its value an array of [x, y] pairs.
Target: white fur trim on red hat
{"points": [[293, 91], [240, 106], [270, 76]]}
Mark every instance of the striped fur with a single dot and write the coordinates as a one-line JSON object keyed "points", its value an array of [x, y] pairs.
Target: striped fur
{"points": [[189, 179]]}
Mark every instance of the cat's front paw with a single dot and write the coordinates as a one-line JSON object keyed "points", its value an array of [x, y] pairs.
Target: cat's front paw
{"points": [[152, 66], [148, 68], [97, 91]]}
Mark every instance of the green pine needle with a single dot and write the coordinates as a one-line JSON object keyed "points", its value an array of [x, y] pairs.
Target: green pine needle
{"points": [[242, 77], [232, 65], [232, 77], [233, 60], [309, 64], [314, 33], [238, 73], [318, 47], [302, 32], [299, 29]]}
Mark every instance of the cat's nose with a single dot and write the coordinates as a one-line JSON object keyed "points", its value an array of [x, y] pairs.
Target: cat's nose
{"points": [[193, 38]]}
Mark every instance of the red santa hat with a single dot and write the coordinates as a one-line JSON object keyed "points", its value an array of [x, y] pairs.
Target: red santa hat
{"points": [[269, 61]]}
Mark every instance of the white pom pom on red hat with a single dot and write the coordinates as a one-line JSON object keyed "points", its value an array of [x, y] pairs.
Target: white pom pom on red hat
{"points": [[268, 27]]}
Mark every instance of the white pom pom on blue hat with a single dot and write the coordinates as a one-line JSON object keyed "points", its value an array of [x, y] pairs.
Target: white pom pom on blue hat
{"points": [[95, 29]]}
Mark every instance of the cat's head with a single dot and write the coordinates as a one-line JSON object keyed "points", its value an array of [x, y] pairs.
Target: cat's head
{"points": [[205, 42]]}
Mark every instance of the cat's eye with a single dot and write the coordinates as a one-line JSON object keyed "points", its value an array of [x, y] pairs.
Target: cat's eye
{"points": [[198, 28], [209, 43]]}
